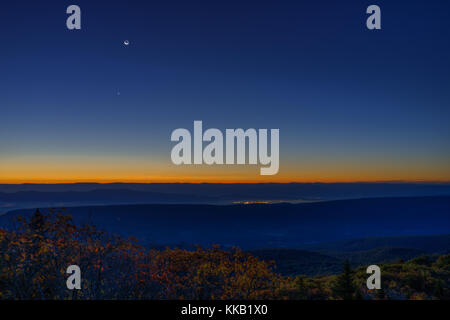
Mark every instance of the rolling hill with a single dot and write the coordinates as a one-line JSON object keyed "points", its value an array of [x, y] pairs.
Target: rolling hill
{"points": [[258, 226]]}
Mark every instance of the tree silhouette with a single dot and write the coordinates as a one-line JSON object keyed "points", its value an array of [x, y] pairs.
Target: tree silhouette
{"points": [[438, 290], [343, 287], [37, 220]]}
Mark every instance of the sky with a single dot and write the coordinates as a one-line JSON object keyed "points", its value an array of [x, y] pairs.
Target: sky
{"points": [[351, 104]]}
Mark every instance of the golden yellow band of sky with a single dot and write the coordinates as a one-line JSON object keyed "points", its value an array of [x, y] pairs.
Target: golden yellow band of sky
{"points": [[64, 169]]}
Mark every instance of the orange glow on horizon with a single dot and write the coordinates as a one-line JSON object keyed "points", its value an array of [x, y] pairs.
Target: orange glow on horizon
{"points": [[211, 180], [85, 169]]}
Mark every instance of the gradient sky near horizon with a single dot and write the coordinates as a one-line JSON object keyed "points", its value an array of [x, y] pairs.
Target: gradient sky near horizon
{"points": [[351, 104]]}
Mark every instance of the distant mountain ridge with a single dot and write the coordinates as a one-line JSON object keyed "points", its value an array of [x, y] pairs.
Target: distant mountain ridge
{"points": [[294, 261], [425, 243], [253, 191], [268, 226], [100, 195]]}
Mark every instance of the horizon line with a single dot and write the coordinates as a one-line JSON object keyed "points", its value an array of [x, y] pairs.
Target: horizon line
{"points": [[51, 182]]}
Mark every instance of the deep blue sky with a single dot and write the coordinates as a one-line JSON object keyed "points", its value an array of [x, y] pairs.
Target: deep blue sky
{"points": [[349, 102]]}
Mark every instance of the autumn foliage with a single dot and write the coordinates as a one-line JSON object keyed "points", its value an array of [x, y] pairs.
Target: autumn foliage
{"points": [[35, 254], [34, 258]]}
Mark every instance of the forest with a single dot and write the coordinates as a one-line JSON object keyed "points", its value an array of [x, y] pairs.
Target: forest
{"points": [[36, 252]]}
